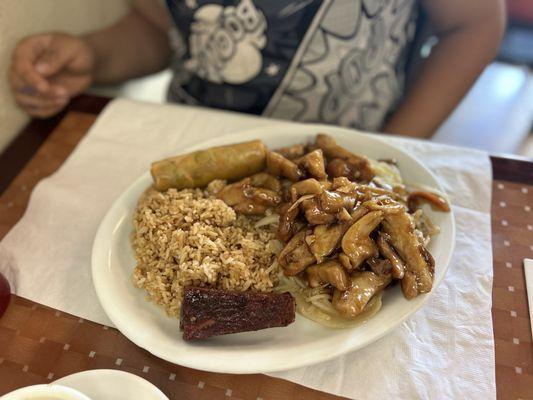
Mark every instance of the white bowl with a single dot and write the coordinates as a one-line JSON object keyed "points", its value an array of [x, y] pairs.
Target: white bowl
{"points": [[51, 391], [299, 344], [112, 384]]}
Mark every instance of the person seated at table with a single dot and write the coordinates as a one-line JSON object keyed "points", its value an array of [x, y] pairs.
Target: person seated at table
{"points": [[340, 62]]}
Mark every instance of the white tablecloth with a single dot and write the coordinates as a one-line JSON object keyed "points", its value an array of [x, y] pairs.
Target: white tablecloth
{"points": [[446, 350]]}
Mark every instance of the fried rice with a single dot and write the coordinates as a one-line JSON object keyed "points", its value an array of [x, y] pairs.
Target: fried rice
{"points": [[189, 237]]}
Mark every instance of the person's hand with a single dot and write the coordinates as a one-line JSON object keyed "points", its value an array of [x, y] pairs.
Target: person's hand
{"points": [[48, 69]]}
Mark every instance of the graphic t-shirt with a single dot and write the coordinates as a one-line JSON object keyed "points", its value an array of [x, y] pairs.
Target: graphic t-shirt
{"points": [[332, 61]]}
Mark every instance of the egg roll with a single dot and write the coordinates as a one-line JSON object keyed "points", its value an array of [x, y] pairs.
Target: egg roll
{"points": [[197, 169]]}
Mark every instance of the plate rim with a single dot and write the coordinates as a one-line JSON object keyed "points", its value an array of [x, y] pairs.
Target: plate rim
{"points": [[136, 378], [222, 365]]}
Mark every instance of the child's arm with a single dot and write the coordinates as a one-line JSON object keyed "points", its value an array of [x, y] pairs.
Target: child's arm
{"points": [[469, 32]]}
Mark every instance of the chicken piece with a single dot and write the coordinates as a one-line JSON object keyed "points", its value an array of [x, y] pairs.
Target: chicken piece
{"points": [[400, 227], [233, 194], [265, 181], [331, 202], [286, 190], [281, 166], [247, 199], [356, 242], [348, 191], [329, 272], [320, 209], [344, 185], [331, 149], [437, 203], [326, 239], [398, 267], [265, 197], [291, 152], [337, 168], [363, 286], [307, 186], [362, 169], [313, 163], [326, 185], [314, 214], [295, 256], [287, 218], [409, 285], [345, 261]]}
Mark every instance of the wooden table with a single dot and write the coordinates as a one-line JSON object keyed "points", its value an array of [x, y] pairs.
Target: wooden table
{"points": [[39, 344]]}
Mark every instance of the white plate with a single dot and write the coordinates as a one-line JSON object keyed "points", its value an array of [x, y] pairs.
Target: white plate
{"points": [[111, 384], [300, 344]]}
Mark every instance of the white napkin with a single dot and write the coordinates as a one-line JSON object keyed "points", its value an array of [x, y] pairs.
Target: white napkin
{"points": [[446, 350]]}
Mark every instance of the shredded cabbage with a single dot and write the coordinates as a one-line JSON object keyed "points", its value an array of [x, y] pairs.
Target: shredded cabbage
{"points": [[387, 173], [315, 304]]}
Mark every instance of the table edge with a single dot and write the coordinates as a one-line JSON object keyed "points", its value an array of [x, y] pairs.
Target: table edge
{"points": [[23, 147], [512, 169]]}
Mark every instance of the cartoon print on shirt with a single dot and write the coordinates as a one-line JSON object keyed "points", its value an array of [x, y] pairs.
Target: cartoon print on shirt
{"points": [[335, 61], [225, 43]]}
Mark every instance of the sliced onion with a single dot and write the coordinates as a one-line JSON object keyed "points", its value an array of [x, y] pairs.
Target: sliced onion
{"points": [[269, 219], [302, 198]]}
